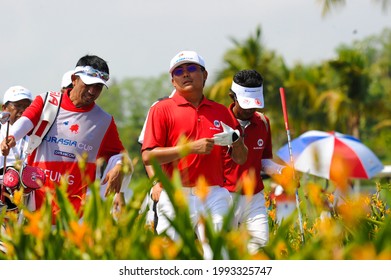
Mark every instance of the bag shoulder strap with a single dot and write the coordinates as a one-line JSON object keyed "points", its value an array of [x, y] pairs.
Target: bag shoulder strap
{"points": [[49, 113]]}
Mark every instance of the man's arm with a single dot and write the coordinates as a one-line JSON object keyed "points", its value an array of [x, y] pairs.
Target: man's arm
{"points": [[239, 151], [165, 155], [157, 187]]}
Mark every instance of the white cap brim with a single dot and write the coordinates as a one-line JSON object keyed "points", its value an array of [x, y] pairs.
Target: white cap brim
{"points": [[251, 103], [88, 80], [248, 98]]}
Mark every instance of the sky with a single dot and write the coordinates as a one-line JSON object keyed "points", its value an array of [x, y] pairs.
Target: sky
{"points": [[40, 40]]}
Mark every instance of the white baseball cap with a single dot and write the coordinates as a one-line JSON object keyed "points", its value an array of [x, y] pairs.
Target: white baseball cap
{"points": [[67, 79], [17, 93], [186, 57], [90, 75], [248, 98]]}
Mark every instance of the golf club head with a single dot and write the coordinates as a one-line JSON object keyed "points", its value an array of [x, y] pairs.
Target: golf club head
{"points": [[4, 117]]}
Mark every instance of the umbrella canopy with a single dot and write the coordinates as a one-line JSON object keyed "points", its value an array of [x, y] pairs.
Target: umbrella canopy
{"points": [[331, 155]]}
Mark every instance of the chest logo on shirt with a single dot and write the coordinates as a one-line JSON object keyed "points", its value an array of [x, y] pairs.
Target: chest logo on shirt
{"points": [[260, 144], [74, 128], [216, 126]]}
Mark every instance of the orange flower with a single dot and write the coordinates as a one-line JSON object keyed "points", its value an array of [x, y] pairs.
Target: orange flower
{"points": [[179, 198], [272, 214], [249, 181], [340, 172], [281, 250], [79, 234], [163, 247], [18, 197], [287, 179], [364, 252], [34, 225], [202, 189], [315, 194], [353, 210]]}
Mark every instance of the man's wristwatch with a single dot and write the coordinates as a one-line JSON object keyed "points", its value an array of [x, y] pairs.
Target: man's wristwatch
{"points": [[154, 183]]}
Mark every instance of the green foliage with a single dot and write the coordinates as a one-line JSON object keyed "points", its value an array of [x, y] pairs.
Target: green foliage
{"points": [[129, 102], [349, 93], [357, 228]]}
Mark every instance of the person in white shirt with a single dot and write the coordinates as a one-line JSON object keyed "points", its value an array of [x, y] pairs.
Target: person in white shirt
{"points": [[16, 100]]}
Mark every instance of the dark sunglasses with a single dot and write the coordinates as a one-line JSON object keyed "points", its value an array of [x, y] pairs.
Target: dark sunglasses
{"points": [[18, 107], [180, 70]]}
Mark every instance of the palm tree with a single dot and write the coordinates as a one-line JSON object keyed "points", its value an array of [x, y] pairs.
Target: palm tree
{"points": [[250, 54], [329, 5]]}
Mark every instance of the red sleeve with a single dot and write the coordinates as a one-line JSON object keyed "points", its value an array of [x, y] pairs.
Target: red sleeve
{"points": [[155, 130], [268, 152], [34, 111], [111, 144]]}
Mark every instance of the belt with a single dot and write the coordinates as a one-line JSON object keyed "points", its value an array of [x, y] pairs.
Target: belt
{"points": [[193, 190]]}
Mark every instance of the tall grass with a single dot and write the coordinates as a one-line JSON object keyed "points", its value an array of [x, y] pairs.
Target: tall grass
{"points": [[358, 228]]}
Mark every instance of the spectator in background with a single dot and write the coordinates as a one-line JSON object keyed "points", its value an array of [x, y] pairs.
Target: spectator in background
{"points": [[16, 100], [66, 81]]}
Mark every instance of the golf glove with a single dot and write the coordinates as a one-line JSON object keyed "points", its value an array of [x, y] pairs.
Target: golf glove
{"points": [[227, 137]]}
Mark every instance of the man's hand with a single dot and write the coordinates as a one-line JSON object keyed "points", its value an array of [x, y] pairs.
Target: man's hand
{"points": [[227, 137], [7, 144], [118, 202], [113, 180], [156, 191], [202, 146]]}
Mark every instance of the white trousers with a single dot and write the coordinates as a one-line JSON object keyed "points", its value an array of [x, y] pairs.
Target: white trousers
{"points": [[216, 204], [253, 215]]}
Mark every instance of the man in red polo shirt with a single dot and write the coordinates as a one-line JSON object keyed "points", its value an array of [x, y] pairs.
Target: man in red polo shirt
{"points": [[190, 133], [247, 95]]}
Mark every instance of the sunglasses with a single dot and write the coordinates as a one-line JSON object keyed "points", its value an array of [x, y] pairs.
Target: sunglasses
{"points": [[18, 107], [180, 70], [92, 72]]}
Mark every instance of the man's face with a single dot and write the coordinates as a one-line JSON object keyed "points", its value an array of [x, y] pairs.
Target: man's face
{"points": [[16, 109], [242, 114], [83, 95], [189, 77]]}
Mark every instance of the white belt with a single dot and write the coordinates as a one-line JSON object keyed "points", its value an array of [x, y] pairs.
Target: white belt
{"points": [[193, 190]]}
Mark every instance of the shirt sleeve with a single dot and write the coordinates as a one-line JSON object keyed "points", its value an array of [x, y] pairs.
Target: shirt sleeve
{"points": [[155, 130], [111, 144], [29, 119], [34, 111], [21, 128], [268, 152]]}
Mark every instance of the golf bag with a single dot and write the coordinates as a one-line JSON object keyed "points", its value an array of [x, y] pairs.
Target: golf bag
{"points": [[28, 177]]}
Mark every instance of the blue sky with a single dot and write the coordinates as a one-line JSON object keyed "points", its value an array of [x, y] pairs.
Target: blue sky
{"points": [[40, 39]]}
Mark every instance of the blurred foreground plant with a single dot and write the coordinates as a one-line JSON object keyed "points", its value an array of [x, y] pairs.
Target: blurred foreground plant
{"points": [[358, 228]]}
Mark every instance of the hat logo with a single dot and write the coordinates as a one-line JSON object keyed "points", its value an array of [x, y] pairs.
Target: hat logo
{"points": [[216, 123]]}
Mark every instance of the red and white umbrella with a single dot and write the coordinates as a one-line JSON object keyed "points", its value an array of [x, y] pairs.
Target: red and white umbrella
{"points": [[331, 155]]}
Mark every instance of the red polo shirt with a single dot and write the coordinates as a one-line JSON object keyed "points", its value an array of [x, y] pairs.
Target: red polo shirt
{"points": [[257, 138], [175, 119]]}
